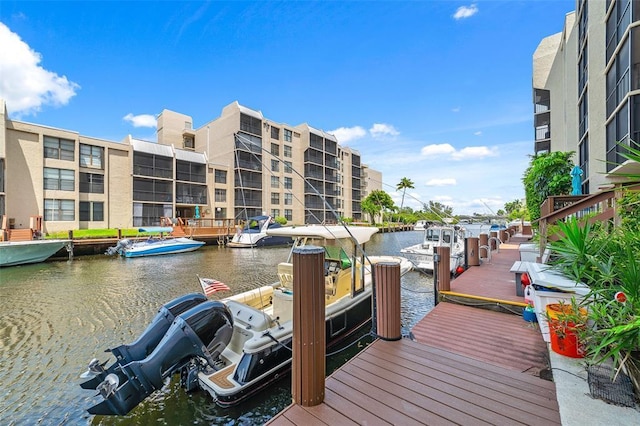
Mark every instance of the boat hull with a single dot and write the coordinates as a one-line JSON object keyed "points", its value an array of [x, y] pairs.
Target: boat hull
{"points": [[159, 247], [338, 327], [14, 253]]}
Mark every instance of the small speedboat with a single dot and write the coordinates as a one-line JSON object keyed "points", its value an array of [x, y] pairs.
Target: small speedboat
{"points": [[422, 254], [236, 346], [14, 253], [254, 234], [157, 243]]}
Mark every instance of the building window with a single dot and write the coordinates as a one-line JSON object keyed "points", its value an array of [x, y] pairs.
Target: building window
{"points": [[221, 212], [288, 168], [91, 211], [275, 150], [146, 214], [275, 166], [288, 214], [288, 183], [287, 135], [60, 149], [91, 156], [188, 142], [250, 124], [275, 198], [287, 151], [288, 199], [152, 190], [59, 210], [152, 165], [221, 195], [59, 179], [190, 193], [275, 213], [91, 183], [220, 176], [275, 182], [275, 132], [191, 172]]}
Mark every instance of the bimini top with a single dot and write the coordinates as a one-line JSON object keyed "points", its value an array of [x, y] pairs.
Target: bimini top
{"points": [[362, 234]]}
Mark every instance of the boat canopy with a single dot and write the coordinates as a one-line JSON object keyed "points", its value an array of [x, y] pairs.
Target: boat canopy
{"points": [[362, 234], [156, 229]]}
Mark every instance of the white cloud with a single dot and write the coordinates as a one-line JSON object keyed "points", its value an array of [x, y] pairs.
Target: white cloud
{"points": [[381, 129], [465, 12], [442, 182], [346, 134], [437, 149], [141, 120], [474, 152], [25, 85], [478, 133], [456, 109]]}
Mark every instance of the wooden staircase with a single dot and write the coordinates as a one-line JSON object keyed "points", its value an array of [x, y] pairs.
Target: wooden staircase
{"points": [[24, 234]]}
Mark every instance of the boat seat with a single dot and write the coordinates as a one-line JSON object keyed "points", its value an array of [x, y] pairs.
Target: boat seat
{"points": [[282, 306], [285, 274], [251, 318]]}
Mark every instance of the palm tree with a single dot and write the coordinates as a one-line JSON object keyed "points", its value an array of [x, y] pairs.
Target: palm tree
{"points": [[403, 185]]}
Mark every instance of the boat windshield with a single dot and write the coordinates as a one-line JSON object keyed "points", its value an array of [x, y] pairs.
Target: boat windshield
{"points": [[336, 253], [432, 235]]}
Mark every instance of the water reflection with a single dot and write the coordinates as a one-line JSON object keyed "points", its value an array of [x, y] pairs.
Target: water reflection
{"points": [[56, 316]]}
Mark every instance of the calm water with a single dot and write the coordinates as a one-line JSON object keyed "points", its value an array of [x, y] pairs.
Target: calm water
{"points": [[56, 316]]}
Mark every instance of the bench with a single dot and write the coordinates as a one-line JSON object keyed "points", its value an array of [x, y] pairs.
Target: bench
{"points": [[519, 267]]}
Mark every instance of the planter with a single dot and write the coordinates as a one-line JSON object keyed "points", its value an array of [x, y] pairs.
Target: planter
{"points": [[529, 314], [564, 325]]}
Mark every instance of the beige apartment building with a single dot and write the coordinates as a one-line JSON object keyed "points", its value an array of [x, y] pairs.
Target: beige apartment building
{"points": [[238, 165], [586, 89]]}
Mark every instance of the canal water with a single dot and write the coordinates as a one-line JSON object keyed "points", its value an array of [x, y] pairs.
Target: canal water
{"points": [[56, 316]]}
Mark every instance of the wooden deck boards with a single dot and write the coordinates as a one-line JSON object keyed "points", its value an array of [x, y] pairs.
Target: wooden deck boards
{"points": [[467, 366]]}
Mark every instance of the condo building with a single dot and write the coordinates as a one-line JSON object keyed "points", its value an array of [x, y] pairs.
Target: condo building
{"points": [[238, 165], [586, 90]]}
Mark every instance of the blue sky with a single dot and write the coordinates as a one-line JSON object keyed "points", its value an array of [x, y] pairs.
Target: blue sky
{"points": [[435, 91]]}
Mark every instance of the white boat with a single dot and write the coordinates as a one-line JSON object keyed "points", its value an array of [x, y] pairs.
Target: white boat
{"points": [[247, 342], [451, 236], [157, 243], [254, 234], [421, 225], [14, 253]]}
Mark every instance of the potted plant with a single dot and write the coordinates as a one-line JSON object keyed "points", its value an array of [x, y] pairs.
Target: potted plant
{"points": [[566, 323]]}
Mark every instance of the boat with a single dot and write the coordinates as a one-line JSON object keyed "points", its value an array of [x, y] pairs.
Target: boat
{"points": [[421, 225], [14, 253], [254, 234], [157, 243], [451, 236], [242, 343]]}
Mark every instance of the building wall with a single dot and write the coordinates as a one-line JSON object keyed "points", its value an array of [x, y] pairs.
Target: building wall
{"points": [[22, 145]]}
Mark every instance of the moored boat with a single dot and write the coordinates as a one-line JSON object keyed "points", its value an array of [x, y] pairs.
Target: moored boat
{"points": [[258, 350], [254, 234], [422, 254], [157, 243], [14, 253]]}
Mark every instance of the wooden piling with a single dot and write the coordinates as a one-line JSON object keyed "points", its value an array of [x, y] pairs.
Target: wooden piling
{"points": [[483, 241], [444, 268], [309, 338], [387, 276], [472, 252], [492, 238]]}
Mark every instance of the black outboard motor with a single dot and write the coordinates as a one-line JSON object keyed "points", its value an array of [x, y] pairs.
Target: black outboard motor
{"points": [[203, 331], [146, 343]]}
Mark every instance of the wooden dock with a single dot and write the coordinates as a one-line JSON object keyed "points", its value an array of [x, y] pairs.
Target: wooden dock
{"points": [[466, 366]]}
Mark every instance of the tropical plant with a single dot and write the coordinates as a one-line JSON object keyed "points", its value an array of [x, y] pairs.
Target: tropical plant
{"points": [[376, 202], [547, 175], [405, 183]]}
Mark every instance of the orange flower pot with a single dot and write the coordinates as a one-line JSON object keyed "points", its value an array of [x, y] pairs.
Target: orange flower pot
{"points": [[563, 332]]}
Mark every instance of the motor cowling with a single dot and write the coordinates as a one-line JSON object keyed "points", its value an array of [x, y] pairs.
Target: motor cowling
{"points": [[203, 331], [146, 342]]}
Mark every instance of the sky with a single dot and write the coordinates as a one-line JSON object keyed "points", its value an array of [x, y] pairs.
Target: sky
{"points": [[438, 92]]}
